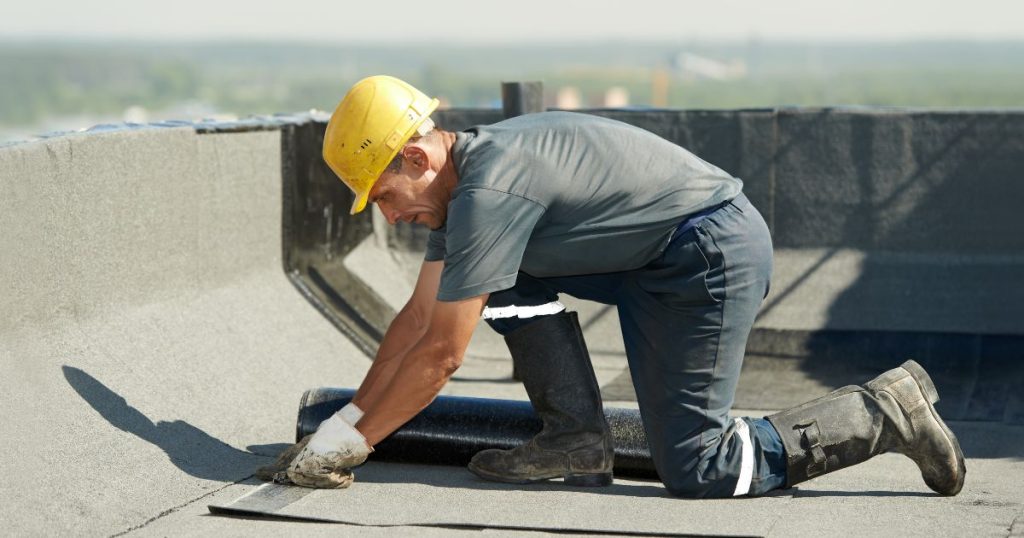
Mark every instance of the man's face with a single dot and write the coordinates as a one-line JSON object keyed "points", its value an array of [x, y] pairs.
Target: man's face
{"points": [[401, 197]]}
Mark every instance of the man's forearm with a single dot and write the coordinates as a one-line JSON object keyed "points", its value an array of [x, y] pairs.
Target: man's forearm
{"points": [[403, 333], [423, 372], [420, 373]]}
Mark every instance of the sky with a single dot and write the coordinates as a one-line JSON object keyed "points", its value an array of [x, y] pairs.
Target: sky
{"points": [[516, 21]]}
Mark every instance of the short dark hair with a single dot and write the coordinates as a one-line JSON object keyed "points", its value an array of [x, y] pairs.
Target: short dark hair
{"points": [[395, 166]]}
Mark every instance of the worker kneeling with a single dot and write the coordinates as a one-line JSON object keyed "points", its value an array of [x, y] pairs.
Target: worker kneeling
{"points": [[543, 204]]}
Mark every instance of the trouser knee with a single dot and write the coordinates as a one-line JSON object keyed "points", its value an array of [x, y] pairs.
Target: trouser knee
{"points": [[683, 478], [750, 461], [697, 485]]}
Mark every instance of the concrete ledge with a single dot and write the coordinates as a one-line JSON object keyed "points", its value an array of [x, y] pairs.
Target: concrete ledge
{"points": [[151, 346], [856, 290]]}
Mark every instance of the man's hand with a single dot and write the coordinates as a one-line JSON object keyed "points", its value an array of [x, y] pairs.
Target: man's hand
{"points": [[278, 471], [324, 462]]}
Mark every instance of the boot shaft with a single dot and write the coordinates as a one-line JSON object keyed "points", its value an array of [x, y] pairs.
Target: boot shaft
{"points": [[575, 443], [552, 358], [829, 433]]}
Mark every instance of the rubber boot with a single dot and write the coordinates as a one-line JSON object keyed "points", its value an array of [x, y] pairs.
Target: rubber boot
{"points": [[893, 412], [575, 443]]}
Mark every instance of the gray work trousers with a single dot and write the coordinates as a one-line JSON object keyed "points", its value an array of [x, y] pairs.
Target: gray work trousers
{"points": [[685, 320]]}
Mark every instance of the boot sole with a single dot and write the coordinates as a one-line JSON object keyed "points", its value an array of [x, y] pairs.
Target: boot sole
{"points": [[586, 480], [932, 396]]}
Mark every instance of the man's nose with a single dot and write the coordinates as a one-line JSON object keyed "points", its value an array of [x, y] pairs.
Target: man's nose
{"points": [[390, 214]]}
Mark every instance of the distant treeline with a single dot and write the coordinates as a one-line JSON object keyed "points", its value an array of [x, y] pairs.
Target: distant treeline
{"points": [[46, 79]]}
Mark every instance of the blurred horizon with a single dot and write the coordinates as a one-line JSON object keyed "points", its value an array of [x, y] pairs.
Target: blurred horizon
{"points": [[74, 83], [68, 65]]}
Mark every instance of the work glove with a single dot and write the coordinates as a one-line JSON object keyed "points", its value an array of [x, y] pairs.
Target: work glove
{"points": [[325, 460], [278, 471]]}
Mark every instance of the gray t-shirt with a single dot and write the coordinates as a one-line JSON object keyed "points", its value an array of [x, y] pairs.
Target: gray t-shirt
{"points": [[561, 193]]}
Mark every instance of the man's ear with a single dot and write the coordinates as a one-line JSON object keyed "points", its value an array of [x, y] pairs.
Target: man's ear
{"points": [[416, 157]]}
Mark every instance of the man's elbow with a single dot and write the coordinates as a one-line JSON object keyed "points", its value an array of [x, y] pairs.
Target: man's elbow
{"points": [[417, 316], [450, 364], [442, 356]]}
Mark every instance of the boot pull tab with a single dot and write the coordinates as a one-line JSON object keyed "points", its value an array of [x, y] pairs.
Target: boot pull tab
{"points": [[810, 440]]}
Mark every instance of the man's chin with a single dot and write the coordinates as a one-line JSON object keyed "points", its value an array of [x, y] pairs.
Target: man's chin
{"points": [[428, 225], [434, 225], [427, 222]]}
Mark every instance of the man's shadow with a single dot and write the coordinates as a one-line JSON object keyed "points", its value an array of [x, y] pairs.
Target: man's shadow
{"points": [[190, 449]]}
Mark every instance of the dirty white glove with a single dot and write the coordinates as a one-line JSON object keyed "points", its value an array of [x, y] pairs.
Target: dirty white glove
{"points": [[350, 413], [335, 447]]}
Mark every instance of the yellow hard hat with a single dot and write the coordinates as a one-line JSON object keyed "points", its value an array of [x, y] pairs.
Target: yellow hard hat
{"points": [[371, 124]]}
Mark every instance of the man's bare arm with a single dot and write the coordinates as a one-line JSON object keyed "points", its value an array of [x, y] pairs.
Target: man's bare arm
{"points": [[425, 368], [405, 330]]}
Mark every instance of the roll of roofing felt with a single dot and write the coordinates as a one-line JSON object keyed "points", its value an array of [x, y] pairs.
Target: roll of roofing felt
{"points": [[453, 428]]}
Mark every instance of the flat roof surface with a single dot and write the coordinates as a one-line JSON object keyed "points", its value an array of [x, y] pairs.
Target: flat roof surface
{"points": [[153, 353]]}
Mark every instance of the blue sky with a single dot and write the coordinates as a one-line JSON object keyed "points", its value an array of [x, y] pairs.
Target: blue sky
{"points": [[479, 21]]}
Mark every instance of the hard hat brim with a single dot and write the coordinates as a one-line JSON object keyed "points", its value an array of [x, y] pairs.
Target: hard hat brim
{"points": [[359, 203]]}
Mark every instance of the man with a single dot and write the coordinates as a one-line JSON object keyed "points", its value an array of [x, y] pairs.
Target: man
{"points": [[551, 203]]}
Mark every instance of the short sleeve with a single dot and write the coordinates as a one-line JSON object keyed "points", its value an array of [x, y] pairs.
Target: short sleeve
{"points": [[435, 245], [486, 235]]}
